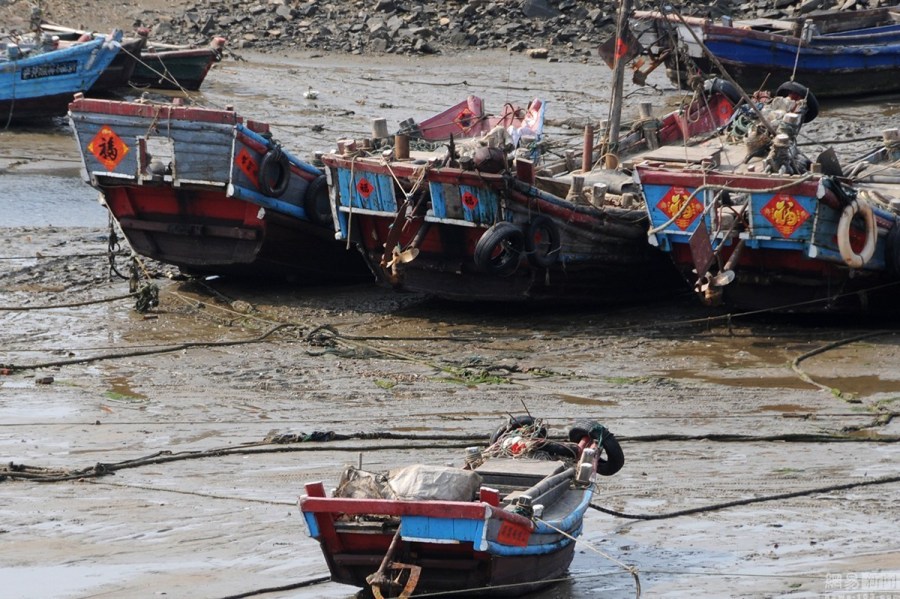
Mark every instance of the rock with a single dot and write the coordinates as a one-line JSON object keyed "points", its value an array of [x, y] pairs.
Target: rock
{"points": [[539, 9], [537, 53]]}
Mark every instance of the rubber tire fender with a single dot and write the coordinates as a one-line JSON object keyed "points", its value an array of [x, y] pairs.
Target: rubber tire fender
{"points": [[615, 457], [316, 202], [499, 250], [812, 104], [727, 89], [539, 254], [274, 173]]}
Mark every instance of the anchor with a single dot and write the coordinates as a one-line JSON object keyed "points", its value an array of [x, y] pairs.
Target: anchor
{"points": [[380, 579]]}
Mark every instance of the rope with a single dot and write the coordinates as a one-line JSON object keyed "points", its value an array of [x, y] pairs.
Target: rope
{"points": [[795, 363], [630, 569], [69, 305], [766, 498], [287, 587]]}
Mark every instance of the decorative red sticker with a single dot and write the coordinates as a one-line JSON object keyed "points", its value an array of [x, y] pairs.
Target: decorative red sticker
{"points": [[673, 202], [465, 119], [364, 188], [785, 214], [513, 534], [248, 166], [108, 148], [470, 200]]}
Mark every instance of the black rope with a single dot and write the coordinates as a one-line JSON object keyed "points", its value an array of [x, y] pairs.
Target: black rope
{"points": [[287, 587], [728, 504]]}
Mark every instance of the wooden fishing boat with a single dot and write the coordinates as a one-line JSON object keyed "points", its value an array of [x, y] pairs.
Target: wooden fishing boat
{"points": [[470, 224], [38, 82], [779, 232], [176, 67], [834, 53], [207, 191], [504, 525], [118, 73]]}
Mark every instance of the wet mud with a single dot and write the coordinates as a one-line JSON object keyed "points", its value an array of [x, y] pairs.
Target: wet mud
{"points": [[708, 410]]}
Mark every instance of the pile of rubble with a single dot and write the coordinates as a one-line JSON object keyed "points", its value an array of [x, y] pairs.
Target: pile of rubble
{"points": [[566, 28]]}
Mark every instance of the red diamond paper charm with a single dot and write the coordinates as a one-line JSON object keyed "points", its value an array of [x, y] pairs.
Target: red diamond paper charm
{"points": [[672, 203], [108, 148], [364, 188], [785, 214]]}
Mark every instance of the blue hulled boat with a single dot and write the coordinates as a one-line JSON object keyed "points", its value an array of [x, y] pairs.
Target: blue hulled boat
{"points": [[834, 53], [39, 82]]}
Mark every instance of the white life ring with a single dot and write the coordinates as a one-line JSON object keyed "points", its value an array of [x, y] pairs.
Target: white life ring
{"points": [[853, 259]]}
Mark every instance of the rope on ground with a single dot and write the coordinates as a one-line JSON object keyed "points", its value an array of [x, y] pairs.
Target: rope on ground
{"points": [[287, 442], [287, 587], [147, 352], [69, 305], [721, 506], [630, 569], [795, 363]]}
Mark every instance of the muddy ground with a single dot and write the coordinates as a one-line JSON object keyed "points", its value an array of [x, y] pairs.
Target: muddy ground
{"points": [[666, 378]]}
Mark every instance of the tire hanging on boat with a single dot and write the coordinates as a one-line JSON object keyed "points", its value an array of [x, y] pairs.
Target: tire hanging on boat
{"points": [[316, 202], [542, 242], [615, 457], [499, 250], [725, 87], [516, 422], [792, 88], [274, 173]]}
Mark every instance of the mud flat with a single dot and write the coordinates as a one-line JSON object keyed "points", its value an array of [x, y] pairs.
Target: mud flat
{"points": [[708, 410]]}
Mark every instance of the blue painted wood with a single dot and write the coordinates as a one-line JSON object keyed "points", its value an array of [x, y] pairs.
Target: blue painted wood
{"points": [[249, 195], [380, 199], [41, 84], [457, 530]]}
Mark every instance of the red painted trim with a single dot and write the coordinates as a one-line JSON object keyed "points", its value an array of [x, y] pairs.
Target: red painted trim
{"points": [[158, 111], [386, 507]]}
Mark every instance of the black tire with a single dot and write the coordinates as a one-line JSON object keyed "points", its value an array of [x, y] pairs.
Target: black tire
{"points": [[274, 173], [724, 87], [542, 242], [316, 202], [499, 250], [615, 457], [793, 88]]}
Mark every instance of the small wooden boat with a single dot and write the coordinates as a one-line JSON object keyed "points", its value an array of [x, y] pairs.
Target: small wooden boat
{"points": [[207, 191], [504, 525], [834, 53], [470, 224], [119, 71], [777, 231], [176, 67], [39, 81]]}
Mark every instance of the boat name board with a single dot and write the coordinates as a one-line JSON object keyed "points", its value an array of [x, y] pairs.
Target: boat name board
{"points": [[39, 71]]}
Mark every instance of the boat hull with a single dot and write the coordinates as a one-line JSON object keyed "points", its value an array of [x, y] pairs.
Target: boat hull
{"points": [[595, 256], [189, 192], [175, 69], [41, 86], [790, 258]]}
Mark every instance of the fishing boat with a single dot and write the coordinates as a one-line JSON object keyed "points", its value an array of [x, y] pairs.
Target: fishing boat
{"points": [[779, 231], [474, 222], [164, 66], [503, 525], [39, 80], [834, 53], [208, 191], [118, 73]]}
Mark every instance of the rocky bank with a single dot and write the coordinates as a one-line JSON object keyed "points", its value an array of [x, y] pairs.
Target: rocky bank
{"points": [[570, 29]]}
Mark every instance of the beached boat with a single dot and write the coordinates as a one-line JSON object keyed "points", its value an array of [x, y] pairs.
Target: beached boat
{"points": [[176, 67], [468, 223], [118, 73], [779, 231], [834, 53], [503, 525], [208, 191], [39, 81]]}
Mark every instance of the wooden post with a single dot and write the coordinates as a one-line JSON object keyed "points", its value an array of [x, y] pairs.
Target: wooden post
{"points": [[587, 156], [615, 117]]}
